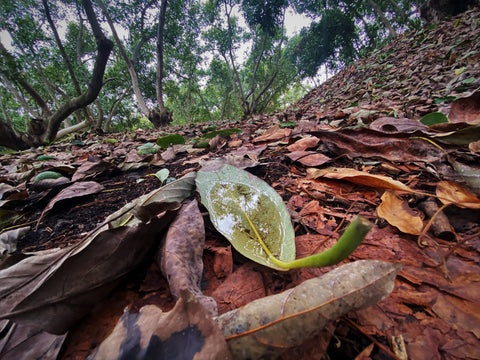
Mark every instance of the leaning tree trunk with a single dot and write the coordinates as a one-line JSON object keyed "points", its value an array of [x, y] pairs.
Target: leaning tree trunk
{"points": [[40, 130]]}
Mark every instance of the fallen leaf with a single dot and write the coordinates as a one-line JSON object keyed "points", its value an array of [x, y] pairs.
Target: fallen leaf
{"points": [[273, 134], [359, 177], [266, 327], [8, 240], [185, 332], [309, 158], [232, 197], [24, 342], [466, 109], [180, 257], [453, 193], [93, 169], [304, 144], [397, 212], [76, 190]]}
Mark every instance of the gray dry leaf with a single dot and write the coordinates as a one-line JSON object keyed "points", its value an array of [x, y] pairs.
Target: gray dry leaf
{"points": [[180, 257], [266, 327], [52, 290], [185, 332], [23, 342]]}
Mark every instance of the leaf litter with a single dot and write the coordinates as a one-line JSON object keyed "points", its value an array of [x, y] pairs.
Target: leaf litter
{"points": [[433, 308]]}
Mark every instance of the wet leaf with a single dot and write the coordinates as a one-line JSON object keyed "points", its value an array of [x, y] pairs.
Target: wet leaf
{"points": [[397, 212], [266, 327], [180, 257], [230, 194], [359, 177], [185, 332], [453, 193]]}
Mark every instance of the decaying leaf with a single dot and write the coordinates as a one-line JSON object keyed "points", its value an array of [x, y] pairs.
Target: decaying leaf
{"points": [[180, 257], [397, 212], [24, 342], [466, 109], [453, 193], [8, 239], [233, 197], [77, 189], [309, 158], [52, 290], [359, 177], [266, 327], [185, 332]]}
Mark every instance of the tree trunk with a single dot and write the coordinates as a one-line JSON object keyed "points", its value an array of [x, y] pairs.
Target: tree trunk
{"points": [[39, 130], [131, 70], [159, 79]]}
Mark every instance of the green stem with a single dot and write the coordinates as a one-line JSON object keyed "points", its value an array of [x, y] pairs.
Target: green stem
{"points": [[348, 242]]}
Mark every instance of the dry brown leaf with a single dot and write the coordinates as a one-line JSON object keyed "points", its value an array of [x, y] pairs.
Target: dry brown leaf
{"points": [[185, 332], [466, 109], [359, 177], [309, 158], [273, 134], [180, 257], [304, 144], [397, 212], [453, 193], [266, 327]]}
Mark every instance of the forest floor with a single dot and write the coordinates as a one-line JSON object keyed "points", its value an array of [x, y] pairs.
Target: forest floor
{"points": [[361, 123]]}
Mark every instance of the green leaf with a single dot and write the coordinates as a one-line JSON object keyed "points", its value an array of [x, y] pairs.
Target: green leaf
{"points": [[147, 148], [172, 139], [47, 175], [444, 99], [162, 175], [434, 118], [232, 197], [45, 157], [288, 124], [224, 132]]}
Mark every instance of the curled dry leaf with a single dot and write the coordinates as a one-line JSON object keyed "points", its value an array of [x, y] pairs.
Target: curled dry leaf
{"points": [[180, 257], [266, 327], [397, 212], [359, 177], [185, 332], [453, 193], [54, 289]]}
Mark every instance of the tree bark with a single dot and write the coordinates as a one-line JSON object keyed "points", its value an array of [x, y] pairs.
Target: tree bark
{"points": [[131, 70], [159, 79]]}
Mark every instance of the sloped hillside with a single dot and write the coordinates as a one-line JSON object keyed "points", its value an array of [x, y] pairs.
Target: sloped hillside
{"points": [[418, 73]]}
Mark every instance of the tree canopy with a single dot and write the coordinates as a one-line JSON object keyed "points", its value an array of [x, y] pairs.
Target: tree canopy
{"points": [[71, 64]]}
